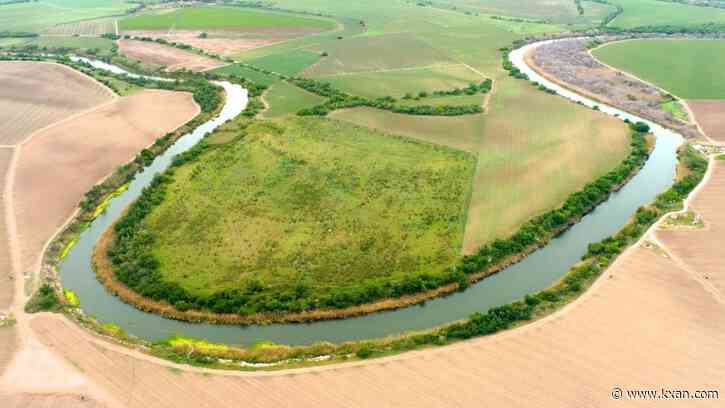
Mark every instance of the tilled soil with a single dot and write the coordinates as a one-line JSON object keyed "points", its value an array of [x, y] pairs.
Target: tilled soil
{"points": [[710, 114], [172, 58], [60, 164], [34, 95]]}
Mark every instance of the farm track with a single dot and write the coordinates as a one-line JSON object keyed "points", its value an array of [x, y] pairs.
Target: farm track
{"points": [[612, 336]]}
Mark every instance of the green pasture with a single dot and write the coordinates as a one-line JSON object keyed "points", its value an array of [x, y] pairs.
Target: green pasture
{"points": [[257, 77], [639, 13], [690, 69], [227, 18], [399, 82], [286, 99], [288, 63], [312, 202], [38, 15]]}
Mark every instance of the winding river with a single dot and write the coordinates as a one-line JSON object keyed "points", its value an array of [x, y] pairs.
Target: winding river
{"points": [[534, 273]]}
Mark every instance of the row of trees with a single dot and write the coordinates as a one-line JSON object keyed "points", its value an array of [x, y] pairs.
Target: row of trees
{"points": [[471, 89], [341, 100]]}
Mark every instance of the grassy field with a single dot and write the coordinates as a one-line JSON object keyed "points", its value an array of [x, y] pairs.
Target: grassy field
{"points": [[372, 53], [209, 18], [285, 99], [676, 109], [311, 201], [244, 72], [557, 11], [85, 43], [533, 151], [690, 69], [458, 100], [39, 15], [638, 13], [289, 63], [398, 83]]}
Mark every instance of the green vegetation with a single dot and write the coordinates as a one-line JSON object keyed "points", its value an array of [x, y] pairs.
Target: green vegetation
{"points": [[94, 44], [398, 83], [286, 99], [239, 70], [341, 100], [676, 109], [300, 214], [578, 279], [690, 69], [642, 13], [71, 298], [290, 63], [44, 300], [37, 15], [375, 53], [209, 18], [461, 100], [556, 11], [720, 157]]}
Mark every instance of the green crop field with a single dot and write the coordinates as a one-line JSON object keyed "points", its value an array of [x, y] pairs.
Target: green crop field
{"points": [[373, 53], [690, 69], [533, 151], [639, 13], [285, 99], [259, 78], [85, 43], [315, 202], [39, 15], [556, 11], [209, 18], [289, 63], [398, 83]]}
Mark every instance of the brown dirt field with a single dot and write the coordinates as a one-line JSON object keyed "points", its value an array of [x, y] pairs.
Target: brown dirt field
{"points": [[7, 286], [60, 164], [49, 401], [223, 43], [58, 92], [8, 346], [619, 334], [710, 114], [172, 58], [701, 250]]}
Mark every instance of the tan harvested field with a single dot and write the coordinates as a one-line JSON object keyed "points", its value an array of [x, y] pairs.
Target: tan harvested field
{"points": [[6, 273], [172, 58], [50, 401], [8, 346], [702, 249], [710, 114], [80, 152], [223, 43], [57, 93]]}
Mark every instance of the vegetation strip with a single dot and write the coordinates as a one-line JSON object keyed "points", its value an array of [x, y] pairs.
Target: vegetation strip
{"points": [[140, 269]]}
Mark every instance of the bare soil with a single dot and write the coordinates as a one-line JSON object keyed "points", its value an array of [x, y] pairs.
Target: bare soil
{"points": [[710, 114], [568, 63], [7, 285], [222, 43], [60, 164], [57, 93], [172, 58], [701, 249]]}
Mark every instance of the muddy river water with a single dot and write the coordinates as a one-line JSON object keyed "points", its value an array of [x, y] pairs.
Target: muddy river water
{"points": [[536, 272]]}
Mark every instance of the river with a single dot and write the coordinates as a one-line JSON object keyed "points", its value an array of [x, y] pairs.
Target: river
{"points": [[536, 272]]}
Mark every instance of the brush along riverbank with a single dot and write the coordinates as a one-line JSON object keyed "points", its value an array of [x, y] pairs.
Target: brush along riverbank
{"points": [[260, 301]]}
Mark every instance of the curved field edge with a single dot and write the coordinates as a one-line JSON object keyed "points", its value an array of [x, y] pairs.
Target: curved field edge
{"points": [[412, 289], [270, 356], [94, 201]]}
